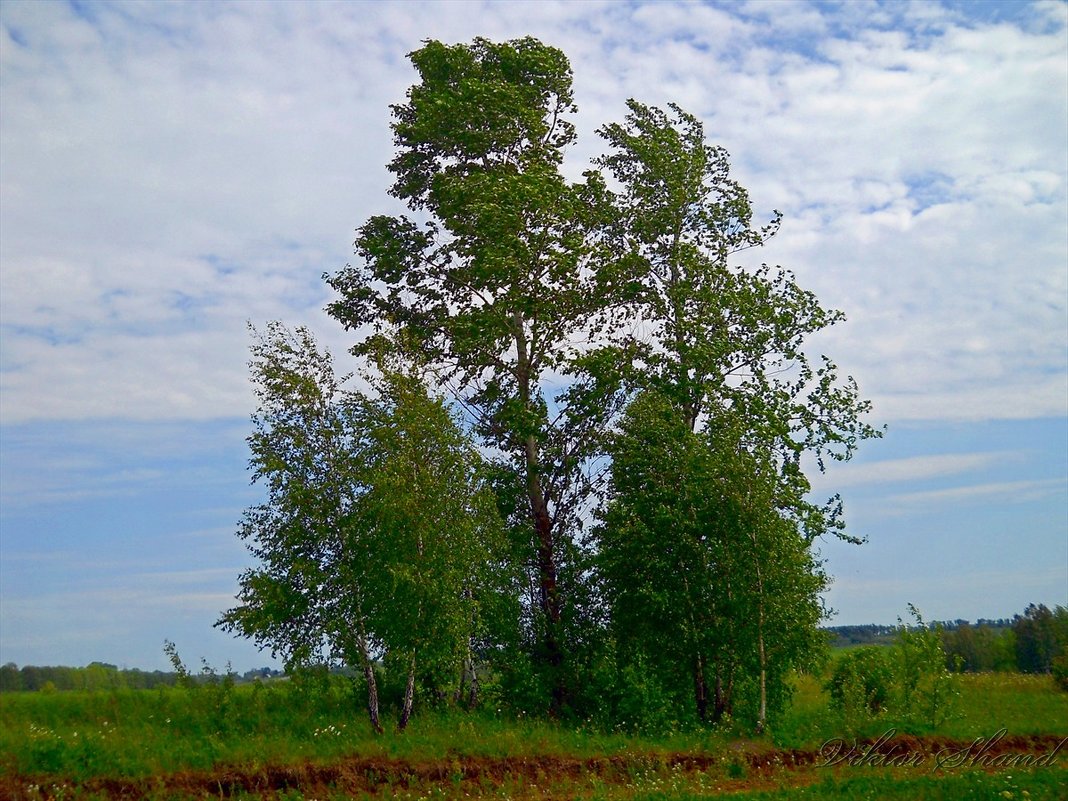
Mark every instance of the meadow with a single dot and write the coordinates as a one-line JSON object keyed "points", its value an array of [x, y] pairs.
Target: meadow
{"points": [[296, 740]]}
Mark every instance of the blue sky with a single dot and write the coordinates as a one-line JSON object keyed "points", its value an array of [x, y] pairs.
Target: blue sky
{"points": [[169, 171]]}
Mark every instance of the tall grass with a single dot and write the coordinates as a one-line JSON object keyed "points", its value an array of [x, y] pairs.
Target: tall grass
{"points": [[1021, 703], [137, 733], [79, 735]]}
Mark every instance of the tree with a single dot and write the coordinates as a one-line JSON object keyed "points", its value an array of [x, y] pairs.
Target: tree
{"points": [[547, 307], [374, 526], [723, 348], [490, 288], [719, 339], [10, 680], [307, 600], [925, 692], [438, 533], [707, 583], [1041, 634], [666, 616]]}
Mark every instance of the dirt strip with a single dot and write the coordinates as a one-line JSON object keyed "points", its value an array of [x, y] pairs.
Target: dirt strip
{"points": [[383, 777]]}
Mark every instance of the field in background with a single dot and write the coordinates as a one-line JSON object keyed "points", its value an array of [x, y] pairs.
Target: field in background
{"points": [[293, 740]]}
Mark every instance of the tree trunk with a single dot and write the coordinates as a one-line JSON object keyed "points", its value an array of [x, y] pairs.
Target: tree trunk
{"points": [[409, 696], [700, 688], [372, 684], [721, 699], [472, 693], [762, 718], [548, 595], [549, 598]]}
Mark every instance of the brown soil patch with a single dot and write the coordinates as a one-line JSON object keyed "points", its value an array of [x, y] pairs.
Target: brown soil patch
{"points": [[744, 766]]}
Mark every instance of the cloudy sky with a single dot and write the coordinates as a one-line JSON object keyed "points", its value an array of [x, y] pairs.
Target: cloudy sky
{"points": [[170, 171]]}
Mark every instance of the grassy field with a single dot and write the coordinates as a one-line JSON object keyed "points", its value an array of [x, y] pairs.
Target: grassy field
{"points": [[288, 741]]}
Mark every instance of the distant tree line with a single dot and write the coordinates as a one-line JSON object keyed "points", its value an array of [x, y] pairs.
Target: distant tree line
{"points": [[98, 676], [1034, 642], [1029, 643], [868, 634]]}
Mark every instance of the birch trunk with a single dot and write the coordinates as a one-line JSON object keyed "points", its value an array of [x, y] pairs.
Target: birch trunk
{"points": [[409, 696], [372, 683], [472, 692], [763, 715]]}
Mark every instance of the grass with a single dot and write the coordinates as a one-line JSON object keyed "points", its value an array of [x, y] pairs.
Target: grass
{"points": [[52, 740], [1022, 704], [1039, 785], [132, 733]]}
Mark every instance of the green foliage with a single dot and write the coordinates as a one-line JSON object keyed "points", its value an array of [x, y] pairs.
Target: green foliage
{"points": [[926, 691], [378, 530], [708, 588], [705, 540], [1040, 636], [645, 700], [906, 683], [95, 676], [554, 310], [491, 289], [860, 686], [979, 648], [1059, 669]]}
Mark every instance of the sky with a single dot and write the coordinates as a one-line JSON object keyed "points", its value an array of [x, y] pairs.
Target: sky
{"points": [[170, 172]]}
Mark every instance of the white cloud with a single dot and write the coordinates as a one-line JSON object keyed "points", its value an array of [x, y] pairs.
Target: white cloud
{"points": [[171, 171], [1000, 492], [912, 468]]}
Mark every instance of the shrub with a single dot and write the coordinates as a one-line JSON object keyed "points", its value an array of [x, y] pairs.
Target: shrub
{"points": [[861, 682], [908, 681], [925, 691]]}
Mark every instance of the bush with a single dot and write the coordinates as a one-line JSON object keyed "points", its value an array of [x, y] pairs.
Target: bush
{"points": [[907, 681], [861, 682], [925, 691], [644, 704]]}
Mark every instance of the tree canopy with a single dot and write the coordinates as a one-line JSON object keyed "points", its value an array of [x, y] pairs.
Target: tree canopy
{"points": [[642, 407]]}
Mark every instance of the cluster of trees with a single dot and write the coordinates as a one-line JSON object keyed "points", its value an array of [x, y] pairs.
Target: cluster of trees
{"points": [[614, 517], [1029, 643], [96, 676]]}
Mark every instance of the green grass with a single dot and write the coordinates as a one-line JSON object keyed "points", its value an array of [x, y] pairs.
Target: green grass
{"points": [[77, 736], [1023, 704], [1039, 785], [136, 733], [986, 702]]}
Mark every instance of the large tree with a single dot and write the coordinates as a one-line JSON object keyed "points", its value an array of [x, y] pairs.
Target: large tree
{"points": [[547, 306], [709, 586], [710, 335], [490, 288]]}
